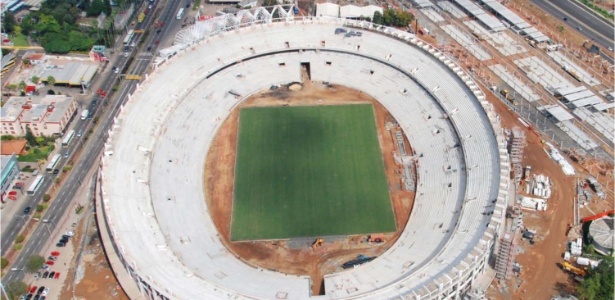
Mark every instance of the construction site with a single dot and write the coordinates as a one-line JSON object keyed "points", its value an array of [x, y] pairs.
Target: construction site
{"points": [[559, 216]]}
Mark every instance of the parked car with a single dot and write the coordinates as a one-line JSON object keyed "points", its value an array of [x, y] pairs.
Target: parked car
{"points": [[57, 276], [33, 289], [46, 274], [40, 290], [61, 245], [52, 274], [45, 292], [69, 233]]}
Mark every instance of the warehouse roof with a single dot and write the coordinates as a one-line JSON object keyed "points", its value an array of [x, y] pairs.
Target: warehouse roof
{"points": [[327, 10]]}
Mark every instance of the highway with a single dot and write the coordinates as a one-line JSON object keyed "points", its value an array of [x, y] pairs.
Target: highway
{"points": [[92, 148], [580, 18]]}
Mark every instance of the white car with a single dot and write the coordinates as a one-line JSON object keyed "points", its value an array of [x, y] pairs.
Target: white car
{"points": [[69, 233], [45, 292]]}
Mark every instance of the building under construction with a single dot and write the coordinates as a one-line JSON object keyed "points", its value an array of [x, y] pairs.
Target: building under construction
{"points": [[517, 143]]}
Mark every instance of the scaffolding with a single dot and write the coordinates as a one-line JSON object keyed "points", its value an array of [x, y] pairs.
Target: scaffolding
{"points": [[506, 256], [517, 144]]}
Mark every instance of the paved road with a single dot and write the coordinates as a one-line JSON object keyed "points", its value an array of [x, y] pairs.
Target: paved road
{"points": [[92, 148], [581, 19]]}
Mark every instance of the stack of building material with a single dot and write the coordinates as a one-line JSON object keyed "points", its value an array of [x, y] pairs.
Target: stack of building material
{"points": [[539, 186], [555, 155], [532, 203], [576, 247]]}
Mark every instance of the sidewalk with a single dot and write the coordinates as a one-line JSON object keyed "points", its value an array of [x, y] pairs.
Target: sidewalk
{"points": [[69, 222]]}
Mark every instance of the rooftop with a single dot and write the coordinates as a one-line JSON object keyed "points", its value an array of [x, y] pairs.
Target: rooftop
{"points": [[14, 146]]}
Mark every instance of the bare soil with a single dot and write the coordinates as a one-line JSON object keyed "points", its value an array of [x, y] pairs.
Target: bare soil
{"points": [[279, 255], [541, 276]]}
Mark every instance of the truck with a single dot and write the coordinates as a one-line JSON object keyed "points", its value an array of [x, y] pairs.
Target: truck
{"points": [[85, 114], [572, 73], [572, 269], [509, 97]]}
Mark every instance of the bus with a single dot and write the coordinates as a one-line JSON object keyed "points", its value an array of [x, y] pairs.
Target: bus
{"points": [[37, 182], [53, 163], [68, 138], [180, 13], [128, 37]]}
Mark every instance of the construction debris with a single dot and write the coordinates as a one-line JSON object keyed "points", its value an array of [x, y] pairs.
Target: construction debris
{"points": [[555, 155]]}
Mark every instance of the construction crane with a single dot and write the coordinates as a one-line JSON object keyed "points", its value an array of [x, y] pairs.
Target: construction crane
{"points": [[572, 269]]}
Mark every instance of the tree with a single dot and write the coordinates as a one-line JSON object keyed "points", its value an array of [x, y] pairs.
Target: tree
{"points": [[16, 288], [96, 7], [46, 197], [67, 168], [598, 284], [377, 19], [22, 85], [51, 80], [55, 42], [20, 238], [8, 22], [47, 24], [12, 87], [30, 137], [5, 262], [34, 263], [41, 207], [27, 24], [35, 79]]}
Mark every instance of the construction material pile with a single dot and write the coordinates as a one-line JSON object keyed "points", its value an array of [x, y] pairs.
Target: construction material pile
{"points": [[561, 160]]}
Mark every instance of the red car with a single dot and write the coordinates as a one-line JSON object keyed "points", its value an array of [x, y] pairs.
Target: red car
{"points": [[55, 253], [33, 289], [50, 262], [57, 276]]}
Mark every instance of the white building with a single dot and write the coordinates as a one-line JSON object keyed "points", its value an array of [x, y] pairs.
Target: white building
{"points": [[46, 116], [327, 10]]}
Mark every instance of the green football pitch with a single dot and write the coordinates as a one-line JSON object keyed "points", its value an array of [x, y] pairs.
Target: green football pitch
{"points": [[309, 171]]}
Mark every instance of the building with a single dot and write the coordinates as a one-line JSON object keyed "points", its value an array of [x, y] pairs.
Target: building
{"points": [[327, 10], [47, 116], [16, 147], [9, 170], [347, 11]]}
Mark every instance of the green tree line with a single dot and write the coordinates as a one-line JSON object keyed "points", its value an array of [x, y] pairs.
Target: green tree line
{"points": [[55, 25]]}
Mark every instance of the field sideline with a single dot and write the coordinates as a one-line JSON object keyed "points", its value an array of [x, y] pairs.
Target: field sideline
{"points": [[309, 171]]}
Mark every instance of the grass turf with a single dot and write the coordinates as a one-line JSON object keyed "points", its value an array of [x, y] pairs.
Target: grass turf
{"points": [[309, 171]]}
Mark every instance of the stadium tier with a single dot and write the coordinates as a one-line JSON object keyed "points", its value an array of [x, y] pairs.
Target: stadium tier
{"points": [[152, 189]]}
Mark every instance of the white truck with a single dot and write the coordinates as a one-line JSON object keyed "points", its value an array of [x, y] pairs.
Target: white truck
{"points": [[85, 114]]}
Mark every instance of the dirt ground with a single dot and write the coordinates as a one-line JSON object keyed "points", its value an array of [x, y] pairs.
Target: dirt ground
{"points": [[96, 277], [541, 277], [281, 255]]}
